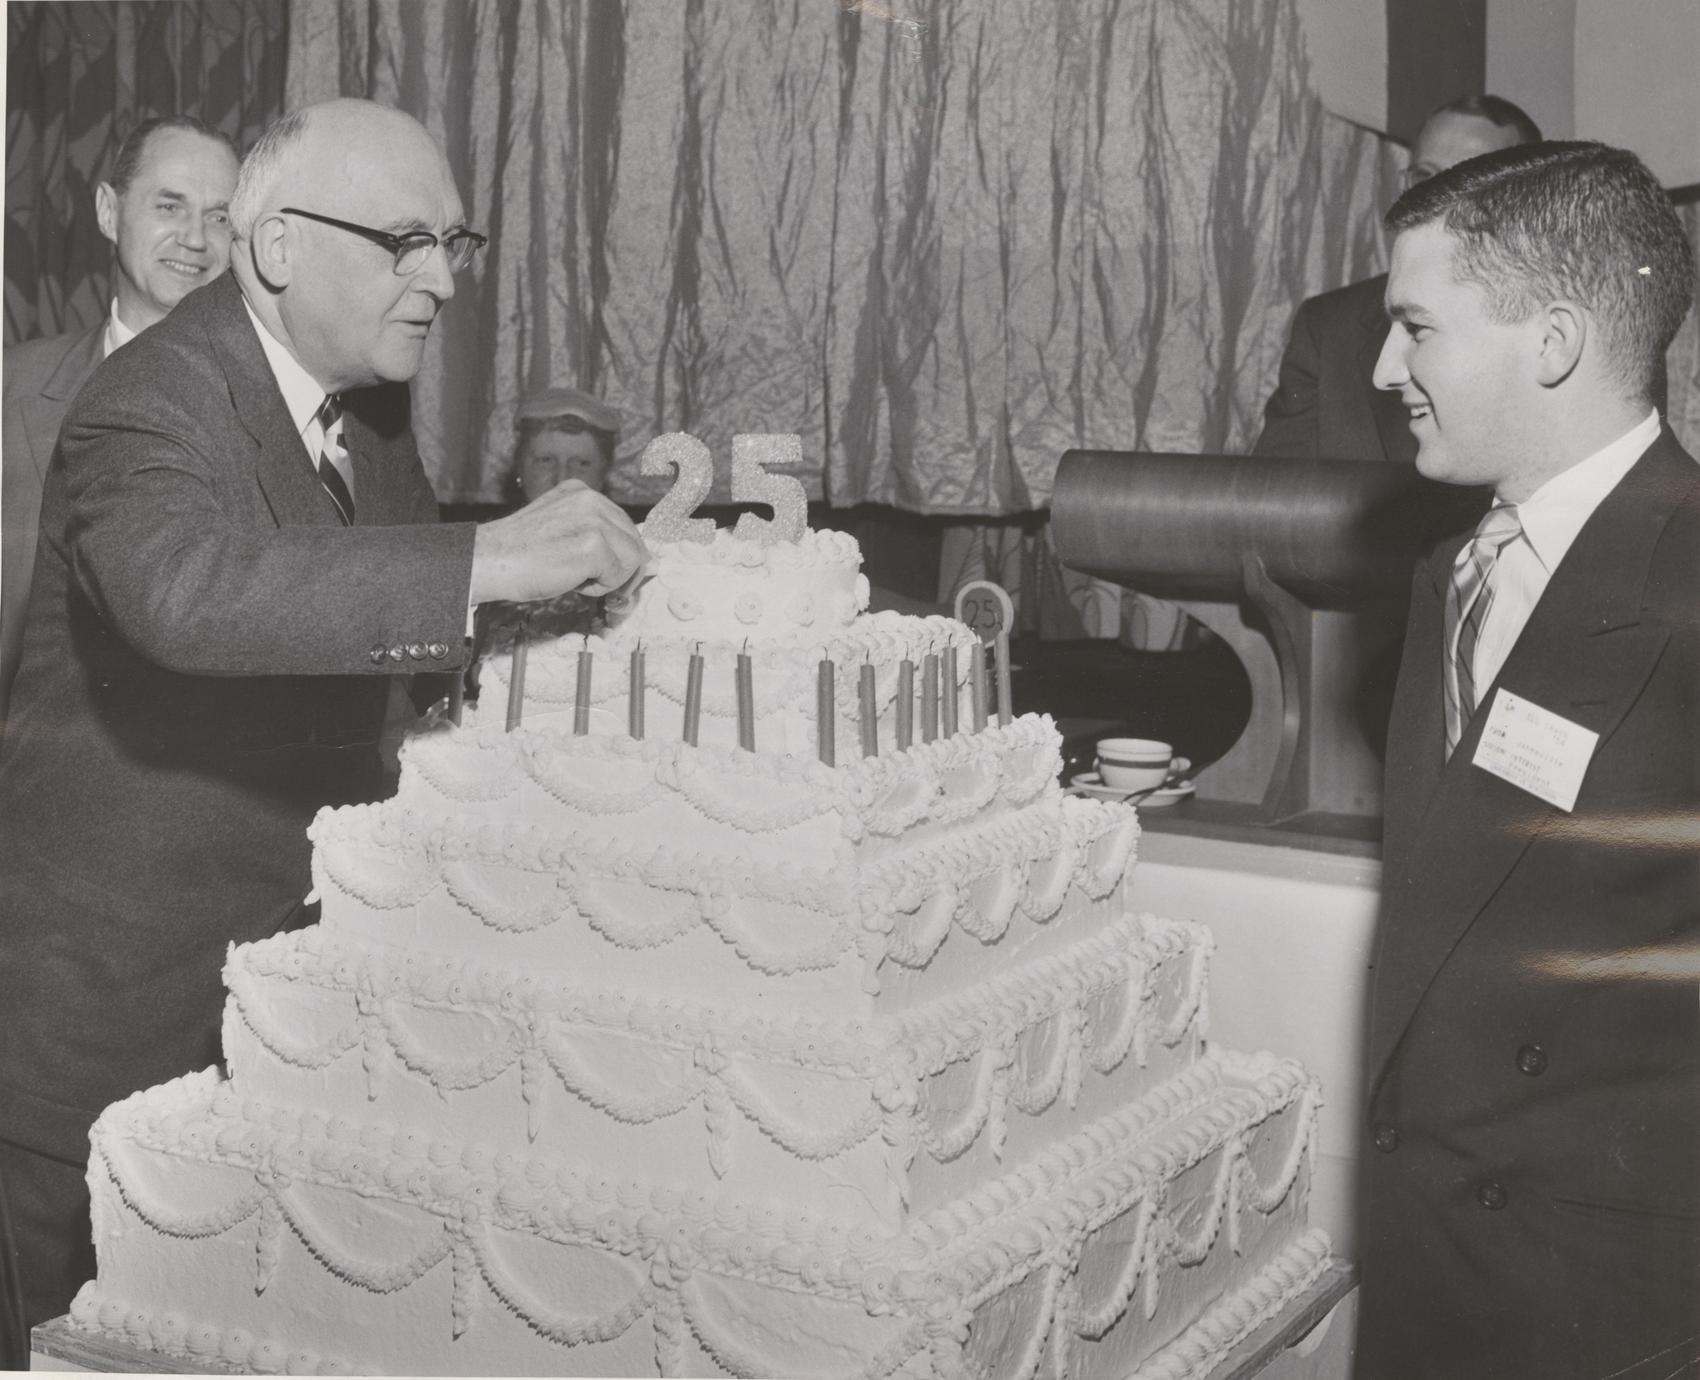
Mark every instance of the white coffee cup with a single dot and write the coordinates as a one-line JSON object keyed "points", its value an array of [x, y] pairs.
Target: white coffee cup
{"points": [[1134, 764]]}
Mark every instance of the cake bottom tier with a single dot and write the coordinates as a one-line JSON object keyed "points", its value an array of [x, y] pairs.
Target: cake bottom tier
{"points": [[1146, 1245]]}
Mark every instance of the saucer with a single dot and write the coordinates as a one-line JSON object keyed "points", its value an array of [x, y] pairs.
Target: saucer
{"points": [[1088, 783]]}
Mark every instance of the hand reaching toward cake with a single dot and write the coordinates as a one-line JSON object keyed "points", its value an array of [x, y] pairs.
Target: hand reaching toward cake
{"points": [[568, 539]]}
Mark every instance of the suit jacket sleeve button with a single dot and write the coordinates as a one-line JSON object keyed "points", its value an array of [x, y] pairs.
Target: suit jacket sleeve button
{"points": [[1532, 1060], [397, 652], [378, 653], [1385, 1138], [1491, 1195], [416, 650], [438, 650]]}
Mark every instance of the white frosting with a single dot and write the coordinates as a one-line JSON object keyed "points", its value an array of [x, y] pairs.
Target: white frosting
{"points": [[617, 1056], [875, 1112], [355, 1218], [732, 589]]}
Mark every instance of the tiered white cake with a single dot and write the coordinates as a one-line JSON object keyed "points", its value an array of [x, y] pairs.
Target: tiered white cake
{"points": [[618, 1056]]}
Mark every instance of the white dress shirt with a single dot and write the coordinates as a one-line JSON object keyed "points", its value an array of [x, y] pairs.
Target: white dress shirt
{"points": [[117, 333], [1551, 518]]}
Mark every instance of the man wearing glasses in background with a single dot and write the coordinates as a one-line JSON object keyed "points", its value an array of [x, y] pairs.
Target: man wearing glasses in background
{"points": [[240, 552], [1324, 406]]}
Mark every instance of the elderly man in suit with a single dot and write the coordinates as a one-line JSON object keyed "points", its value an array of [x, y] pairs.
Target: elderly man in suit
{"points": [[239, 551], [166, 209], [1324, 405], [1532, 1167]]}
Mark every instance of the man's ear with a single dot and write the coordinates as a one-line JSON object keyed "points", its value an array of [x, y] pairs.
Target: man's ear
{"points": [[106, 210], [1564, 334], [270, 249]]}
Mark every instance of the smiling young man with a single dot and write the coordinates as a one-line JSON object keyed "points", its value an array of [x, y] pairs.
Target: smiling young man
{"points": [[1531, 1200], [166, 210], [240, 550]]}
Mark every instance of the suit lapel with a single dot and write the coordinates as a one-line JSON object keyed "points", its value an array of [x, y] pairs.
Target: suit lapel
{"points": [[44, 412], [1419, 710], [1584, 654], [281, 467]]}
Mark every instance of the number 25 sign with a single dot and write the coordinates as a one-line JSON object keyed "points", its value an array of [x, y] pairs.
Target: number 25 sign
{"points": [[986, 608]]}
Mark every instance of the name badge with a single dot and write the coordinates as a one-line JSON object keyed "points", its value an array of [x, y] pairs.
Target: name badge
{"points": [[1535, 749]]}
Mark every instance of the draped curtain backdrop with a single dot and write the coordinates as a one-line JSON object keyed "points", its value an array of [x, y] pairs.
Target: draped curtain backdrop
{"points": [[945, 240], [79, 77]]}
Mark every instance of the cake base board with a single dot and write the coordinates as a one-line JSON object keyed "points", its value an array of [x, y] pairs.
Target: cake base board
{"points": [[58, 1345]]}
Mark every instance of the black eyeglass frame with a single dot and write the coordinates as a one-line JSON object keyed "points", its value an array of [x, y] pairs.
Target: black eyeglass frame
{"points": [[399, 245]]}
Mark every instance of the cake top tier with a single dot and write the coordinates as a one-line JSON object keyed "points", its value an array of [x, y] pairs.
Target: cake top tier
{"points": [[732, 589], [768, 579]]}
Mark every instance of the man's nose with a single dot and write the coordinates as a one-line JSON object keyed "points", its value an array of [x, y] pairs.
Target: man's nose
{"points": [[433, 276], [192, 234], [1390, 370]]}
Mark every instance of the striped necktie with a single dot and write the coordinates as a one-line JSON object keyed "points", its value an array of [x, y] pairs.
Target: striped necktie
{"points": [[330, 474], [1467, 605]]}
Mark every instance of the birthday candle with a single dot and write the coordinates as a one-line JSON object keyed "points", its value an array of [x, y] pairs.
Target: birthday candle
{"points": [[516, 679], [824, 713], [634, 694], [977, 684], [581, 692], [929, 697], [947, 695], [870, 721], [905, 703], [1006, 700], [746, 702], [693, 695]]}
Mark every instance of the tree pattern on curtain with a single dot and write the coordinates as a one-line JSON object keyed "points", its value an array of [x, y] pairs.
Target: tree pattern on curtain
{"points": [[79, 77], [945, 241]]}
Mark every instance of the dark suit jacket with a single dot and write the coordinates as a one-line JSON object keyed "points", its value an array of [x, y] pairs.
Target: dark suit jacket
{"points": [[207, 658], [42, 376], [1325, 406], [1532, 1162]]}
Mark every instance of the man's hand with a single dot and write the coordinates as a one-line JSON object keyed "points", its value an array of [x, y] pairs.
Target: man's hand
{"points": [[568, 539]]}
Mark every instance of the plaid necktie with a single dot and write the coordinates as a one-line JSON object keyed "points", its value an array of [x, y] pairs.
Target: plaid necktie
{"points": [[1467, 605], [330, 475]]}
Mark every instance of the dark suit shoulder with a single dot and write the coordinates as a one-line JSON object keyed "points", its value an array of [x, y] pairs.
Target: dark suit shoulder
{"points": [[45, 347], [166, 367], [1673, 572], [31, 363], [1354, 302]]}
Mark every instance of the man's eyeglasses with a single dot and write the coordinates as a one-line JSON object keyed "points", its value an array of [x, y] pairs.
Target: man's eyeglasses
{"points": [[412, 249]]}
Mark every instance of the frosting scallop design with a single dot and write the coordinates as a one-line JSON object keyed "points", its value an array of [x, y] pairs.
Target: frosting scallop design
{"points": [[627, 1055]]}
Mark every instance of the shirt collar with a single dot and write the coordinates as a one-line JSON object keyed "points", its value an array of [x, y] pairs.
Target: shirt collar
{"points": [[117, 333], [1555, 512], [302, 394]]}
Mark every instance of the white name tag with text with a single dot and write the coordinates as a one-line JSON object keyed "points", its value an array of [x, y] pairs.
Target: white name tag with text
{"points": [[1535, 750]]}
